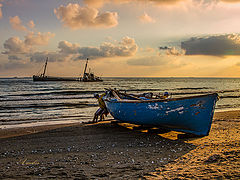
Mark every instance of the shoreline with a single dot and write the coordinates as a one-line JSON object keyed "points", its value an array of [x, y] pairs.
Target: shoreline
{"points": [[108, 150], [73, 122]]}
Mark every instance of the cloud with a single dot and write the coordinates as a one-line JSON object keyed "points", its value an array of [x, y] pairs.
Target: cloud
{"points": [[127, 47], [31, 24], [175, 52], [90, 52], [38, 39], [14, 45], [76, 17], [145, 18], [0, 11], [164, 2], [16, 23], [14, 57], [220, 45], [231, 1], [68, 48], [52, 56], [172, 51], [164, 48], [69, 51], [95, 3], [100, 3]]}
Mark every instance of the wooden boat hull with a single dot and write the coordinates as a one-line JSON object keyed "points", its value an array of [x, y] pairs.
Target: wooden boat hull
{"points": [[190, 115]]}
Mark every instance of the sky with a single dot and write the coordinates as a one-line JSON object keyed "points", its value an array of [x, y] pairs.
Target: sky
{"points": [[121, 38]]}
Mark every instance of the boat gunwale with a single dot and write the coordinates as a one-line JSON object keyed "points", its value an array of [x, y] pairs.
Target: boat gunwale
{"points": [[158, 100]]}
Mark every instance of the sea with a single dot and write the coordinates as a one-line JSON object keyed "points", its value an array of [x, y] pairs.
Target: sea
{"points": [[24, 103]]}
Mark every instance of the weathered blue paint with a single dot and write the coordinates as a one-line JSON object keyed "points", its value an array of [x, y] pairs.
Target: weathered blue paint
{"points": [[191, 115]]}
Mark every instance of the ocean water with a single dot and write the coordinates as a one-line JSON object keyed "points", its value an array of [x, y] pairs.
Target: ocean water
{"points": [[27, 103]]}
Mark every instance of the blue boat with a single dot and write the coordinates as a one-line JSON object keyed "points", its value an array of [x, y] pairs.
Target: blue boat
{"points": [[186, 114]]}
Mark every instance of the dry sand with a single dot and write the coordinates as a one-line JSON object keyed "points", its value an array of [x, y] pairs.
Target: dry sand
{"points": [[114, 151]]}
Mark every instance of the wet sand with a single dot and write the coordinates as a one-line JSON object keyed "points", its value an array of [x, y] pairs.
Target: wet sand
{"points": [[108, 150]]}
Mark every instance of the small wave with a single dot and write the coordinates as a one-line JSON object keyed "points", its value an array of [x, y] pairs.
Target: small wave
{"points": [[174, 89], [70, 93], [57, 93], [192, 88], [161, 90], [142, 90], [48, 98], [226, 91], [54, 105], [229, 97]]}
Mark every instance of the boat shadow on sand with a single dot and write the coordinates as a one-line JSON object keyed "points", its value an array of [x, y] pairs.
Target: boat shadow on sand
{"points": [[100, 150]]}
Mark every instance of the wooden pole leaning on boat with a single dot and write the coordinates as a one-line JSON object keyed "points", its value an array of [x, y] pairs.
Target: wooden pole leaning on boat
{"points": [[114, 92], [131, 96], [116, 96]]}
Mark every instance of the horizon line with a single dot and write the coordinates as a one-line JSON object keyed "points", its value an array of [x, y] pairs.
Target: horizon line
{"points": [[2, 77]]}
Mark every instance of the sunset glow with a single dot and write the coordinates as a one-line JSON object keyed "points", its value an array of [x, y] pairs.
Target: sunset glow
{"points": [[122, 38]]}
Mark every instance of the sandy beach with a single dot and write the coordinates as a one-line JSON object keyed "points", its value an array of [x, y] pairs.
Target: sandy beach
{"points": [[109, 150]]}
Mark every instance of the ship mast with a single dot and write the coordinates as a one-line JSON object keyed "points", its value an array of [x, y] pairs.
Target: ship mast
{"points": [[84, 73], [45, 67]]}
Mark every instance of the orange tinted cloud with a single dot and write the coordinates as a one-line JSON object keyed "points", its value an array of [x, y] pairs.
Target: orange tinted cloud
{"points": [[14, 46], [38, 38], [0, 11], [126, 47], [145, 18], [69, 51], [76, 17], [175, 52], [16, 23], [95, 3], [231, 1], [31, 24], [163, 2], [100, 3]]}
